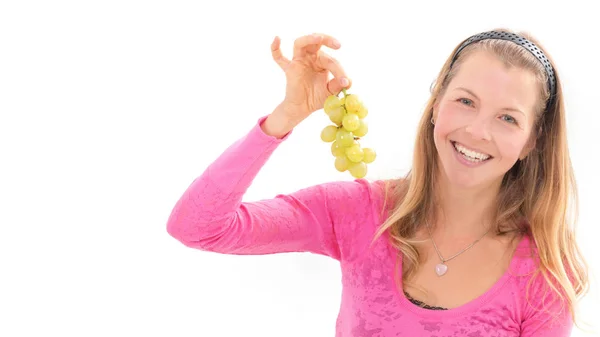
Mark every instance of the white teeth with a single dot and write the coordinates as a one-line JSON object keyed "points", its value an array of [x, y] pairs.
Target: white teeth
{"points": [[472, 155]]}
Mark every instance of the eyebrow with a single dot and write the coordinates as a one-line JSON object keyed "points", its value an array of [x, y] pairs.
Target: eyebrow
{"points": [[473, 94]]}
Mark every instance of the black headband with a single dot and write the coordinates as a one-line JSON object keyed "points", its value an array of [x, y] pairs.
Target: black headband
{"points": [[530, 46]]}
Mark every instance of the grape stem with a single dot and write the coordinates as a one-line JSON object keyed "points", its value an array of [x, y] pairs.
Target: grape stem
{"points": [[344, 91]]}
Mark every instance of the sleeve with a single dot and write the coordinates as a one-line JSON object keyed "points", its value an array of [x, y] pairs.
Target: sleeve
{"points": [[323, 219], [545, 313]]}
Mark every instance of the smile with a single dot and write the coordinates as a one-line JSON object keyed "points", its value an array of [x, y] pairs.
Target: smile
{"points": [[470, 155]]}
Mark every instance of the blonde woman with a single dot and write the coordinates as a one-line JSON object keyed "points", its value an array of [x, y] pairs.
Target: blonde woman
{"points": [[476, 240]]}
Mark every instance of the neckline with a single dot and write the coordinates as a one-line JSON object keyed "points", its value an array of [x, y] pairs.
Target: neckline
{"points": [[469, 306]]}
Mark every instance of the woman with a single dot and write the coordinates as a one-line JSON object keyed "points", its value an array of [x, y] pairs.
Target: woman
{"points": [[474, 241]]}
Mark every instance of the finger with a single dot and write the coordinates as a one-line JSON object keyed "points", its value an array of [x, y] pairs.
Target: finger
{"points": [[281, 60], [335, 85], [312, 43], [329, 63]]}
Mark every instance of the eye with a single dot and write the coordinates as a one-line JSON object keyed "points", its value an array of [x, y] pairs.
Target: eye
{"points": [[509, 119], [465, 101]]}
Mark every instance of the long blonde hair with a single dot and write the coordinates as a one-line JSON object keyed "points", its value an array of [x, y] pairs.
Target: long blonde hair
{"points": [[540, 189]]}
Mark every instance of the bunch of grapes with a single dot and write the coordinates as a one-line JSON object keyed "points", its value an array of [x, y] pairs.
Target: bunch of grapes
{"points": [[348, 116]]}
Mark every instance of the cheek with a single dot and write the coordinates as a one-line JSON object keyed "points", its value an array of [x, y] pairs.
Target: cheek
{"points": [[510, 146], [449, 119]]}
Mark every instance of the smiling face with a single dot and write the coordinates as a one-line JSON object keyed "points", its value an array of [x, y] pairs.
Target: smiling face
{"points": [[483, 121]]}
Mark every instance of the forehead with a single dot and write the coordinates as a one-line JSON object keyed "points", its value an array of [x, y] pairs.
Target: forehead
{"points": [[496, 83]]}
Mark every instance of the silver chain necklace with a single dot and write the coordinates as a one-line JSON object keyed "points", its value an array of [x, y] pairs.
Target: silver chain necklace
{"points": [[442, 268]]}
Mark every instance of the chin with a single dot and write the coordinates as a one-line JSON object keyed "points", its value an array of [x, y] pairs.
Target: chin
{"points": [[462, 179]]}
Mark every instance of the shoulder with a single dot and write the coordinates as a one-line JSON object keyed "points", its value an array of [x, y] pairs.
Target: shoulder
{"points": [[356, 208], [541, 304], [359, 195]]}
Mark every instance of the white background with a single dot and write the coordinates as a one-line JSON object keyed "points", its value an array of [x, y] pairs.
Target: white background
{"points": [[109, 110]]}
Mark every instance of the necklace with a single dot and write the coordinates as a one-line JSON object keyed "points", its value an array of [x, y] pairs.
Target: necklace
{"points": [[441, 268]]}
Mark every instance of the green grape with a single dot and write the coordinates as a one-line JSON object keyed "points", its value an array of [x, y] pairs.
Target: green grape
{"points": [[332, 102], [352, 103], [337, 115], [344, 138], [362, 111], [347, 114], [362, 129], [369, 155], [358, 170], [342, 163], [329, 133], [351, 122], [355, 153], [337, 150]]}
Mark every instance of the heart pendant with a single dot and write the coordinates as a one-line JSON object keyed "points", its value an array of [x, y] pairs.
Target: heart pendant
{"points": [[441, 269]]}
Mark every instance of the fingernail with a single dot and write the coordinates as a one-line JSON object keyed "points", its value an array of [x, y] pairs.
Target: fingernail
{"points": [[344, 82], [336, 43]]}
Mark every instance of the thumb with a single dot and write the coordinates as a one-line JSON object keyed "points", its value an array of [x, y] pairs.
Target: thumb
{"points": [[281, 60], [335, 85]]}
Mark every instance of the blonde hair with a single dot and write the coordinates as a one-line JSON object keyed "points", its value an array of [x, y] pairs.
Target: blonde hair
{"points": [[538, 196]]}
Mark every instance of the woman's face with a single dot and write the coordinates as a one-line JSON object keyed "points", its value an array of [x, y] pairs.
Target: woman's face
{"points": [[483, 121]]}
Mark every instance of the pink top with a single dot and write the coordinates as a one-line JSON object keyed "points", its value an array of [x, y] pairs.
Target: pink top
{"points": [[339, 219]]}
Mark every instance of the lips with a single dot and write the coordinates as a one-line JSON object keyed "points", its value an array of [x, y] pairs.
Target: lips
{"points": [[470, 153]]}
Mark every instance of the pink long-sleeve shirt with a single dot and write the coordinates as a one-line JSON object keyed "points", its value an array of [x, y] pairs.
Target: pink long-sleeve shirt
{"points": [[338, 219]]}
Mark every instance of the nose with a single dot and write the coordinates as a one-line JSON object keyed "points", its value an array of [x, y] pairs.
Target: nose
{"points": [[479, 128]]}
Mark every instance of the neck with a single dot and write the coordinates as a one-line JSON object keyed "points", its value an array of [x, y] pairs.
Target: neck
{"points": [[464, 213]]}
